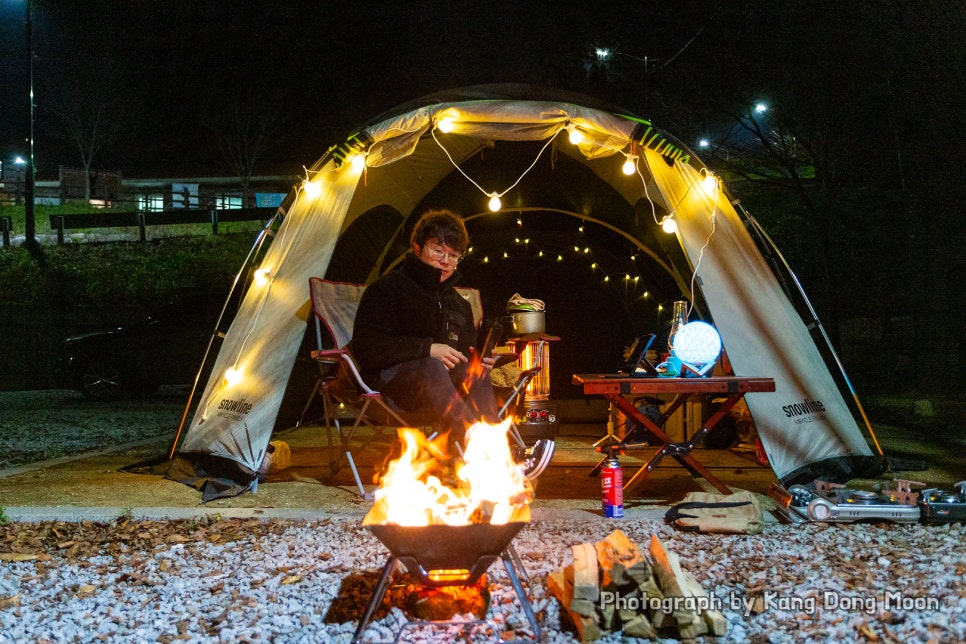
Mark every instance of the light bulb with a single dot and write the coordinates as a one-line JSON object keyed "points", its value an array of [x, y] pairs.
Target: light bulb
{"points": [[262, 276], [311, 189], [575, 136], [358, 161], [233, 375], [709, 183], [630, 165], [495, 203], [669, 226], [445, 125]]}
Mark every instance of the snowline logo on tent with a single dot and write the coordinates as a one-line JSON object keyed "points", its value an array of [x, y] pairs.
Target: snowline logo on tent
{"points": [[808, 410], [234, 409]]}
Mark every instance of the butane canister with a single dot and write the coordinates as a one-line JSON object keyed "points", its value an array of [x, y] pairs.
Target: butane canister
{"points": [[612, 488]]}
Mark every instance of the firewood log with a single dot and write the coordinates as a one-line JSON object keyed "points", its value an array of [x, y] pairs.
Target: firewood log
{"points": [[715, 619], [560, 583], [586, 575], [667, 569]]}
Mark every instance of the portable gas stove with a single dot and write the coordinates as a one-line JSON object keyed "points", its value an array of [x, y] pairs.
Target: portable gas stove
{"points": [[834, 503], [448, 555], [940, 506]]}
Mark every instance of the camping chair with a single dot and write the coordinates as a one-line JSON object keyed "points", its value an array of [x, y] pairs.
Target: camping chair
{"points": [[339, 383]]}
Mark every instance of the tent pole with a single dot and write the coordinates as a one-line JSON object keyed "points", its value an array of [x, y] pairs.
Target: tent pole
{"points": [[266, 232], [814, 315]]}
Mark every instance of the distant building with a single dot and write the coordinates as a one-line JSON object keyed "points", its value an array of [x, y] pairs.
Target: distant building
{"points": [[113, 190]]}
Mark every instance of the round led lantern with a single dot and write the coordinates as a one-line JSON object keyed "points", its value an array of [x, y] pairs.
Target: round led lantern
{"points": [[697, 345]]}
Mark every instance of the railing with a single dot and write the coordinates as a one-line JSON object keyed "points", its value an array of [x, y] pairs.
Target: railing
{"points": [[142, 220]]}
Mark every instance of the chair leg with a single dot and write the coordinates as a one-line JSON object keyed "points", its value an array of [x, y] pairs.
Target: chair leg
{"points": [[308, 403]]}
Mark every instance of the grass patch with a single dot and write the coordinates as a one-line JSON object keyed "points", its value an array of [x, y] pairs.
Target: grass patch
{"points": [[123, 273]]}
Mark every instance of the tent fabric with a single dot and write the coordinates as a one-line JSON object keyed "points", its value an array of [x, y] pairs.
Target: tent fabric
{"points": [[406, 157], [803, 420]]}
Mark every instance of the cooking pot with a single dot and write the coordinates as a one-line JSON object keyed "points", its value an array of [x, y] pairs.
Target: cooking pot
{"points": [[524, 322]]}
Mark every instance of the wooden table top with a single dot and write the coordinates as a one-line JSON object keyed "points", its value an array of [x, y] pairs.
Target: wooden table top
{"points": [[615, 384]]}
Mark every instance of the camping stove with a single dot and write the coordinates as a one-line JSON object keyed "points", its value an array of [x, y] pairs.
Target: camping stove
{"points": [[448, 555]]}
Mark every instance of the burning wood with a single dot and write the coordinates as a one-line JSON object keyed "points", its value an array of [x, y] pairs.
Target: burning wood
{"points": [[640, 594], [422, 487]]}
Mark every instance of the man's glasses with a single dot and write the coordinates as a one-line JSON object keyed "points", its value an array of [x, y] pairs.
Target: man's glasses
{"points": [[437, 253]]}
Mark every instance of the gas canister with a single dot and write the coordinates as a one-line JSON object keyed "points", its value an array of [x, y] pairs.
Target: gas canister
{"points": [[612, 488]]}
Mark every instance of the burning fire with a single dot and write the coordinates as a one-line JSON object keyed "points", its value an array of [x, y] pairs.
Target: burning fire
{"points": [[486, 486]]}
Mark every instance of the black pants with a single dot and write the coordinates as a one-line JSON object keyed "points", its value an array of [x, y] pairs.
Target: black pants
{"points": [[457, 398]]}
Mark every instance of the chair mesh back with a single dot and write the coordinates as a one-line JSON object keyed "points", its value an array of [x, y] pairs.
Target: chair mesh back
{"points": [[335, 305]]}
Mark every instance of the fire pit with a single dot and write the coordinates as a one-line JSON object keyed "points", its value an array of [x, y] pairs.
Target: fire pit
{"points": [[447, 554], [450, 534]]}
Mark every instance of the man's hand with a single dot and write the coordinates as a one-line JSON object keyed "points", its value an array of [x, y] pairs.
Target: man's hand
{"points": [[446, 354]]}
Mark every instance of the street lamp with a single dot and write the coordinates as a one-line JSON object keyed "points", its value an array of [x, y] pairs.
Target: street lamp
{"points": [[30, 228]]}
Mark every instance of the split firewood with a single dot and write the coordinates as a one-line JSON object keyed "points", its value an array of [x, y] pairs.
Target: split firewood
{"points": [[560, 583], [586, 576], [667, 569], [715, 619], [623, 565], [639, 626]]}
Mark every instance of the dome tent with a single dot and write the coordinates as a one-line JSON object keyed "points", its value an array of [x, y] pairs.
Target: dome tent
{"points": [[515, 141]]}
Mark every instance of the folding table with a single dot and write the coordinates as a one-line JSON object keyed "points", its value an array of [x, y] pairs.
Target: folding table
{"points": [[615, 387]]}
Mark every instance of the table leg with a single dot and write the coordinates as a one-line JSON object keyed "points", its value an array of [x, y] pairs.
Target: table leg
{"points": [[681, 452]]}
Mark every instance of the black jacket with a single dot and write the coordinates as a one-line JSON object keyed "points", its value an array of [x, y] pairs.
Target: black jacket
{"points": [[404, 312]]}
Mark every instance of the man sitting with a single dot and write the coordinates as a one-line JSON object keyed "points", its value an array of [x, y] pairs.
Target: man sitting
{"points": [[413, 332]]}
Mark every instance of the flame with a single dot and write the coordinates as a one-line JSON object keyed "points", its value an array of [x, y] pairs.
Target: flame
{"points": [[486, 486]]}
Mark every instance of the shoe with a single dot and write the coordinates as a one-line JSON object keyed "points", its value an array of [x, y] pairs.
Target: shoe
{"points": [[535, 459]]}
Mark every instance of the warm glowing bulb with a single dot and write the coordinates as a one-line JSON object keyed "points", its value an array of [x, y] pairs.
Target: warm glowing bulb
{"points": [[262, 276], [233, 375], [575, 136], [495, 203], [311, 189], [358, 161], [669, 225], [629, 165], [445, 125], [709, 183]]}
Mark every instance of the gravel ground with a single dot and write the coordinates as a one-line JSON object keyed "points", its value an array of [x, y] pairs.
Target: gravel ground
{"points": [[283, 581], [259, 580], [42, 425]]}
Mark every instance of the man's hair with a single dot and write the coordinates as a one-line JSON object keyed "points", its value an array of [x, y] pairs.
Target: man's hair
{"points": [[445, 226]]}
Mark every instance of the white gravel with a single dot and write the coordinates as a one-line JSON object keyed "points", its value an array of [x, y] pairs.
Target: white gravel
{"points": [[817, 582], [859, 582]]}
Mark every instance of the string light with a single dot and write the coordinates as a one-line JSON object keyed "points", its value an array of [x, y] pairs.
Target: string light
{"points": [[669, 226], [233, 375], [311, 189], [445, 125], [358, 161], [630, 165], [262, 275], [495, 203], [710, 182], [574, 135]]}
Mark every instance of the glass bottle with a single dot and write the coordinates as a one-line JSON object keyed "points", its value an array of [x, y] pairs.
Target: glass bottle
{"points": [[678, 319]]}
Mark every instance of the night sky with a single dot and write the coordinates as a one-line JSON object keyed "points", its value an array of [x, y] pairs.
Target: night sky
{"points": [[168, 72]]}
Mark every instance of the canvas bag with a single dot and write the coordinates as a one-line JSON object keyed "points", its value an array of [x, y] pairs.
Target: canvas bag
{"points": [[738, 513]]}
